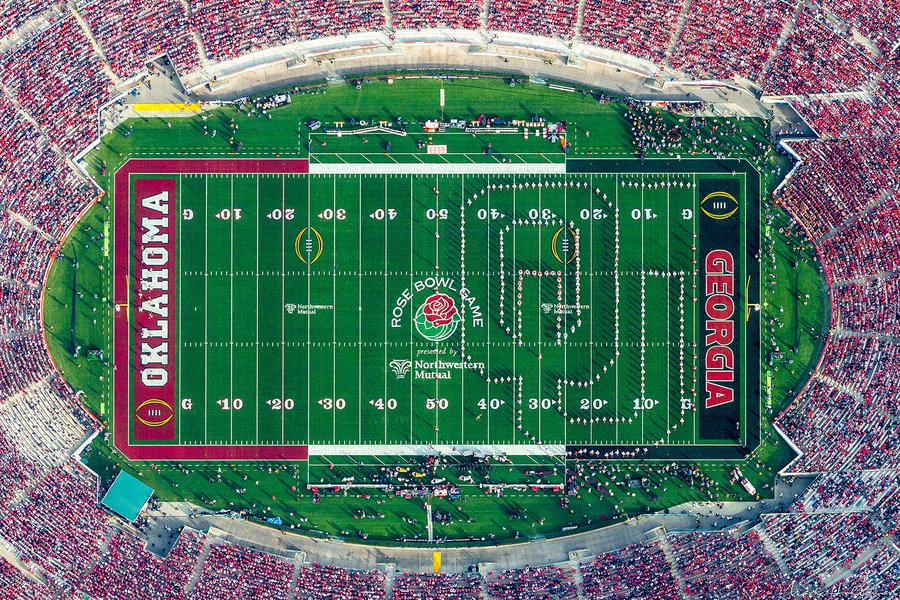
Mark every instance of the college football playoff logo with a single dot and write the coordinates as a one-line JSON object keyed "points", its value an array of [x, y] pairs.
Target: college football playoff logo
{"points": [[719, 205], [154, 412], [400, 367]]}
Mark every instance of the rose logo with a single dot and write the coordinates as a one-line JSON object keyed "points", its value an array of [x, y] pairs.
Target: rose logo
{"points": [[437, 319]]}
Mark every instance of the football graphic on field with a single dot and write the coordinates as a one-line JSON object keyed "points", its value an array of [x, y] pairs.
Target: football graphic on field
{"points": [[154, 412], [437, 318], [719, 205]]}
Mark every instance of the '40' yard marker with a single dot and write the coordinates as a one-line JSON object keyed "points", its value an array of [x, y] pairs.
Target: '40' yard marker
{"points": [[308, 246]]}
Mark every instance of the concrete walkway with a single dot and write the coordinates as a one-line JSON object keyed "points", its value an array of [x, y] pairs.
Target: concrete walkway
{"points": [[706, 516]]}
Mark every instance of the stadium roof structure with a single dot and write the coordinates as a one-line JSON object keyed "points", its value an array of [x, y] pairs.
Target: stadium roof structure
{"points": [[127, 496]]}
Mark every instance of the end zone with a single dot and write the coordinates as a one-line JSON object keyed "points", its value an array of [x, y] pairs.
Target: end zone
{"points": [[144, 382]]}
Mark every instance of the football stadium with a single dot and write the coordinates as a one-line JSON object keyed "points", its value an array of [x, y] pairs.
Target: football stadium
{"points": [[449, 299]]}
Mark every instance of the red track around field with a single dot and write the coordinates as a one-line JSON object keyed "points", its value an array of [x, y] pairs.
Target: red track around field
{"points": [[122, 413]]}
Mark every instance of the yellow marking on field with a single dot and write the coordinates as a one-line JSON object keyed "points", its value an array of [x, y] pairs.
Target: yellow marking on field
{"points": [[437, 562], [153, 402], [719, 216], [167, 107], [127, 307], [747, 296], [321, 245], [553, 246]]}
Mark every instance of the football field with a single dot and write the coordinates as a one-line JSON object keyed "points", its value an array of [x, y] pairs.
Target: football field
{"points": [[270, 312]]}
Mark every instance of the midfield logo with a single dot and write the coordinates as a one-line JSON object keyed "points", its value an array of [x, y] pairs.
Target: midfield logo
{"points": [[400, 367], [438, 318]]}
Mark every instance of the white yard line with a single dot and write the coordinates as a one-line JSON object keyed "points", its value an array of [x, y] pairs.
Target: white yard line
{"points": [[540, 379], [411, 271], [384, 345], [231, 319], [178, 341], [205, 309], [565, 271], [489, 277], [437, 227], [696, 418], [258, 219], [309, 401], [443, 168], [616, 276], [281, 306], [334, 304], [643, 311], [590, 321], [359, 400], [516, 399], [668, 308], [462, 305]]}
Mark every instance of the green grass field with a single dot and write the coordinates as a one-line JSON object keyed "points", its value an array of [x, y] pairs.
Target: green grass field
{"points": [[238, 280], [573, 310]]}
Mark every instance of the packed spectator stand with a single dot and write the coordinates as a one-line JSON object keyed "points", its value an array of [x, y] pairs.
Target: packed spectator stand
{"points": [[61, 69], [230, 29], [816, 58], [322, 582], [131, 32], [126, 569], [241, 572], [638, 571], [539, 583], [815, 546], [556, 18], [424, 14], [728, 565], [722, 38], [877, 577], [643, 29]]}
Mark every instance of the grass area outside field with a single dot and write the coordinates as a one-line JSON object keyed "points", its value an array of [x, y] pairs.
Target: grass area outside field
{"points": [[285, 135]]}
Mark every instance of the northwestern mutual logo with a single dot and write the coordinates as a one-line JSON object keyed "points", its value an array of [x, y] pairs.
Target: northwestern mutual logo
{"points": [[400, 367]]}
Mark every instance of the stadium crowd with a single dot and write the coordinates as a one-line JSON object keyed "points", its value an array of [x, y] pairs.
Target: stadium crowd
{"points": [[722, 38], [131, 32], [58, 528], [435, 586], [323, 582], [632, 573], [63, 93], [877, 577], [846, 193], [549, 19], [727, 565], [643, 29], [540, 583], [424, 14], [127, 570], [841, 491], [878, 20], [815, 546], [230, 28], [817, 58], [16, 13], [241, 572]]}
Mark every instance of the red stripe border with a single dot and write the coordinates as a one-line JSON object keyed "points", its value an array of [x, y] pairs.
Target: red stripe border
{"points": [[122, 217]]}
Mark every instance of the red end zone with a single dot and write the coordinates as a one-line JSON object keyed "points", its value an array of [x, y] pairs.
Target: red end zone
{"points": [[144, 339]]}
